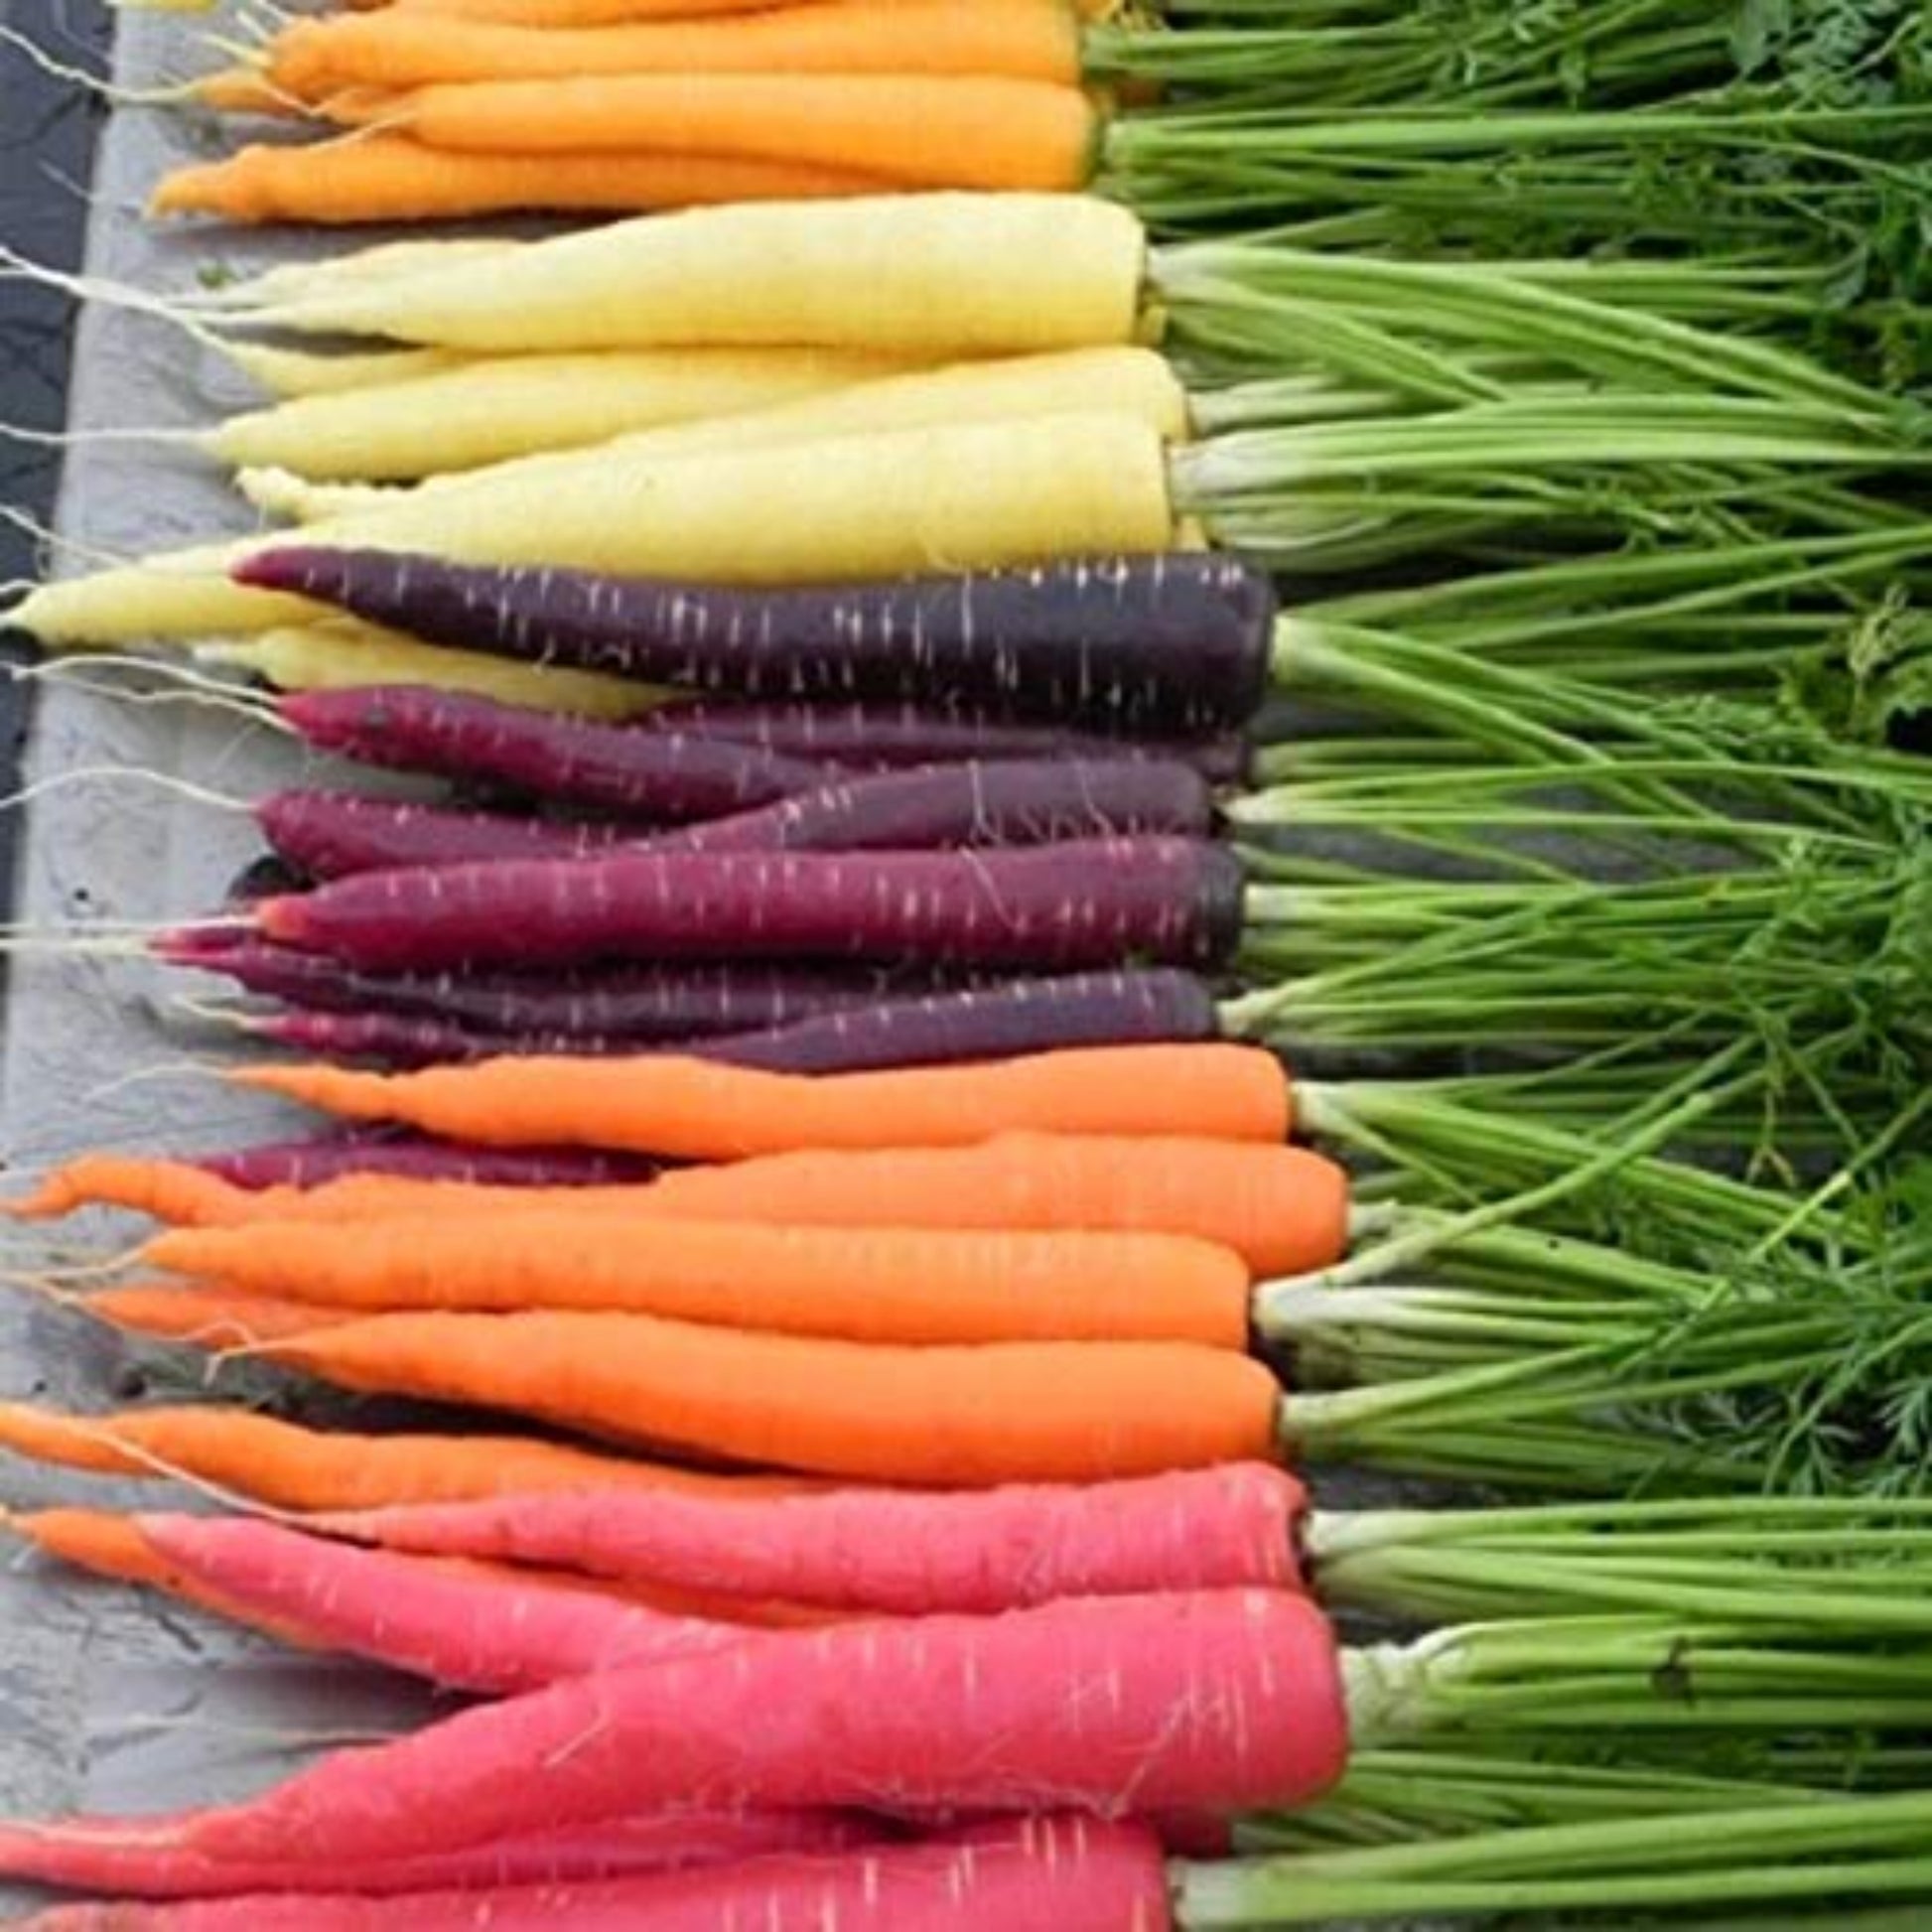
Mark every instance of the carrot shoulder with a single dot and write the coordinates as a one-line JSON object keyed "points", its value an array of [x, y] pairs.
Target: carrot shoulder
{"points": [[391, 178], [695, 1109], [946, 131]]}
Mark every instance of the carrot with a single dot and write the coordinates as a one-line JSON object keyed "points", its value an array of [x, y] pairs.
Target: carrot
{"points": [[1285, 1209], [115, 1546], [780, 1872], [562, 14], [1218, 1701], [950, 131], [169, 1190], [906, 1285], [952, 1417], [701, 1110], [392, 178], [1026, 39], [906, 1554], [206, 1318], [288, 1466], [90, 1856], [474, 1628]]}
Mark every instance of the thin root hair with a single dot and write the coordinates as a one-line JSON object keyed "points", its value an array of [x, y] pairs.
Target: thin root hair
{"points": [[165, 782], [99, 84]]}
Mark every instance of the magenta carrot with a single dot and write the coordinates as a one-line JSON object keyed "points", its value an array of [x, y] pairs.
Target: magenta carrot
{"points": [[313, 1162], [661, 775], [1035, 1875], [664, 1002], [470, 1630], [1082, 905], [1175, 642], [1217, 1700], [334, 834], [1013, 801], [907, 1553], [98, 1856], [889, 736], [692, 1109]]}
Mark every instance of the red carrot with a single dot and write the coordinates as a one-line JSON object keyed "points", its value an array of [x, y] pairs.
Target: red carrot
{"points": [[907, 1553], [1059, 907], [98, 1858], [473, 1631], [1213, 1700], [661, 775], [364, 1151], [1036, 1875], [402, 1040], [334, 834]]}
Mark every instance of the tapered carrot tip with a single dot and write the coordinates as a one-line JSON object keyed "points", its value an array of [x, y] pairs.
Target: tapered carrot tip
{"points": [[44, 1437], [204, 187]]}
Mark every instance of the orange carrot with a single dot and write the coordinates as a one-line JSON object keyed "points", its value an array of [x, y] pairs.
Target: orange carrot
{"points": [[1025, 39], [243, 91], [605, 13], [107, 1545], [206, 1318], [904, 1284], [288, 1466], [1005, 1412], [707, 1110], [390, 178], [951, 131], [169, 1190]]}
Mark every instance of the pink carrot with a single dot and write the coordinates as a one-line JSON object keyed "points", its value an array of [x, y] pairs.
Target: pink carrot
{"points": [[98, 1856], [333, 834], [1208, 1701], [1040, 1875], [899, 1550], [468, 1630]]}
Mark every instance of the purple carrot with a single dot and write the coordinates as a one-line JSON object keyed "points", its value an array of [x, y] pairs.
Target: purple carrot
{"points": [[329, 1157], [925, 1030], [664, 777], [318, 1159], [881, 738], [1087, 903], [1018, 802], [642, 1003], [1174, 643], [331, 834]]}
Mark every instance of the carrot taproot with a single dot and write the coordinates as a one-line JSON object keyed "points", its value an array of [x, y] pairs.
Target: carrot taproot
{"points": [[394, 177], [1026, 39], [799, 1872], [81, 1855], [204, 1318], [896, 1552], [917, 131], [167, 1190], [107, 1545], [473, 1629], [288, 1466], [703, 1111], [904, 1284], [954, 1417], [1284, 1208], [245, 90], [1216, 1700]]}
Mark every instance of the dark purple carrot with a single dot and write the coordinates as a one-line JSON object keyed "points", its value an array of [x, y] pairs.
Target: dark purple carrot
{"points": [[331, 834], [1018, 802], [1176, 643], [880, 738], [324, 1157], [680, 1002], [1087, 903], [664, 777], [987, 1023]]}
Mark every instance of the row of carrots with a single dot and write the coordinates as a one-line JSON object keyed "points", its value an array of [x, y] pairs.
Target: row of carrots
{"points": [[911, 1445]]}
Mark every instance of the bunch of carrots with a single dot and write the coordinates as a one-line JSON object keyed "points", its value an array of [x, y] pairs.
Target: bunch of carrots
{"points": [[802, 1058]]}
